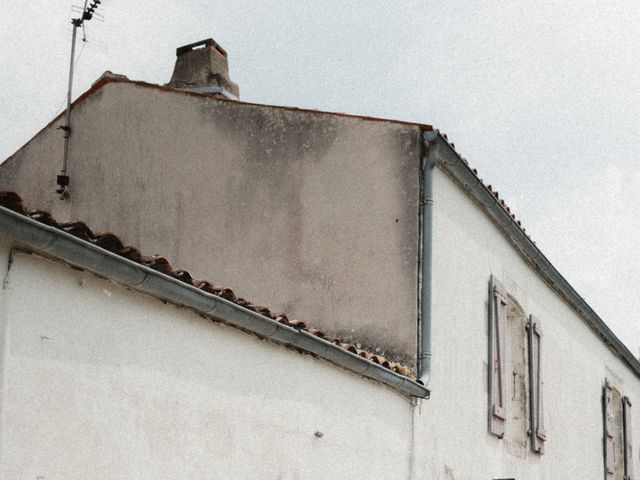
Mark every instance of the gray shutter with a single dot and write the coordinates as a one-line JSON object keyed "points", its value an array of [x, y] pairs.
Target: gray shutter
{"points": [[497, 325], [628, 452], [608, 420], [536, 411]]}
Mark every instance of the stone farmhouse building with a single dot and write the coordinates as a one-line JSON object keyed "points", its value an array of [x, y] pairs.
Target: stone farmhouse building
{"points": [[424, 334]]}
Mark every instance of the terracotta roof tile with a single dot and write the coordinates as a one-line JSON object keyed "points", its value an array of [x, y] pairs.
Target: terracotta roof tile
{"points": [[112, 243], [489, 187]]}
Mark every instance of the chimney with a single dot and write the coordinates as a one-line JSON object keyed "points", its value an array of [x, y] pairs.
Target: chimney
{"points": [[202, 67]]}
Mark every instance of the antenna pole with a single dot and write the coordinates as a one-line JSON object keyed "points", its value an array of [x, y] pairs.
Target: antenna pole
{"points": [[63, 178]]}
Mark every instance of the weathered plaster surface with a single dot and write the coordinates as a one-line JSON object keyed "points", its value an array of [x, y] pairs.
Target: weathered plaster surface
{"points": [[312, 214]]}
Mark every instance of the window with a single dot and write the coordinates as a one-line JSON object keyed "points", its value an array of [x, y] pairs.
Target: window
{"points": [[515, 371], [616, 412]]}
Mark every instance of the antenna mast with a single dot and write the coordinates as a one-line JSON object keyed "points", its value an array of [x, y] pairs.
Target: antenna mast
{"points": [[87, 14]]}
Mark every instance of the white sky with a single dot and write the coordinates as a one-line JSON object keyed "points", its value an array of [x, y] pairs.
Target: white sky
{"points": [[542, 97]]}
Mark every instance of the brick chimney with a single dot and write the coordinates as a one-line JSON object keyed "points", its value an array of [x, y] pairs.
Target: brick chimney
{"points": [[202, 67]]}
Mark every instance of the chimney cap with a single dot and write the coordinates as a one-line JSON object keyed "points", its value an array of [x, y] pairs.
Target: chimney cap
{"points": [[203, 70], [209, 42]]}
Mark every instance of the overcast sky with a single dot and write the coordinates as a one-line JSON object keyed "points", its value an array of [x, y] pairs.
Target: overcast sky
{"points": [[542, 97]]}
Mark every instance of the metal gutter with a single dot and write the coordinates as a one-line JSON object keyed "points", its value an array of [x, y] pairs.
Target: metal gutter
{"points": [[58, 244], [454, 165], [429, 161]]}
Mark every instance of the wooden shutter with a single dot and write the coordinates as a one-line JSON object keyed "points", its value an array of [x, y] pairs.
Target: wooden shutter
{"points": [[609, 427], [497, 326], [628, 452], [536, 412]]}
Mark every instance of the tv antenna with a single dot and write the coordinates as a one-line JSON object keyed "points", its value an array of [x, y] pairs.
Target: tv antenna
{"points": [[87, 12]]}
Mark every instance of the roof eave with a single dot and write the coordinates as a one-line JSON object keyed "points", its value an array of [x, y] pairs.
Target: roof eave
{"points": [[79, 253]]}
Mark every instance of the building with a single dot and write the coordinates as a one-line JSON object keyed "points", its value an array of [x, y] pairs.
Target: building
{"points": [[374, 231]]}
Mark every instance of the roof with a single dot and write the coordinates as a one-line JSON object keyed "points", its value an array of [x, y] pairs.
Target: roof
{"points": [[500, 213], [402, 376]]}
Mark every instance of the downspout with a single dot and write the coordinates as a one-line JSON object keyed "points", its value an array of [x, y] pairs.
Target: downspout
{"points": [[429, 161]]}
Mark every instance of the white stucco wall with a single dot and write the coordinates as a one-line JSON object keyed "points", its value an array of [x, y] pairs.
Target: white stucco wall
{"points": [[103, 383], [453, 439]]}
